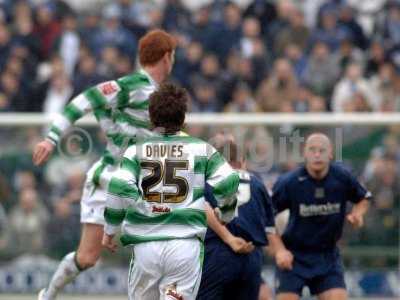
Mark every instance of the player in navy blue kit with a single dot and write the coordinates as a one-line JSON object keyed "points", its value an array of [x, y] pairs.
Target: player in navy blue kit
{"points": [[233, 253], [316, 196]]}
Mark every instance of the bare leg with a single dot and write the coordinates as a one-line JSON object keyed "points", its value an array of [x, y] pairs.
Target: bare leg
{"points": [[75, 262]]}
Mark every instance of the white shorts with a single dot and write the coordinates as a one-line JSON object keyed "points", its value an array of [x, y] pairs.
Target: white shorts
{"points": [[166, 270], [94, 196]]}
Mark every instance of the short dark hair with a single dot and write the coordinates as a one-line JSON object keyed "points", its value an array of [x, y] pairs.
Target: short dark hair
{"points": [[168, 106], [153, 46]]}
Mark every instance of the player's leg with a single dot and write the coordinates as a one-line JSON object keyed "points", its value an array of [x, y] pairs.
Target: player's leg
{"points": [[182, 269], [220, 267], [145, 271], [331, 285], [289, 285], [333, 294], [75, 262], [92, 208]]}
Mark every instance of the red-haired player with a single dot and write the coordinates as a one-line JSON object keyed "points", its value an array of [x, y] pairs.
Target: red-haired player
{"points": [[121, 109]]}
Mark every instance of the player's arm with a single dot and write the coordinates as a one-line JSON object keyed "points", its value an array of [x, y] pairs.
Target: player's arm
{"points": [[224, 182], [283, 257], [360, 197], [93, 99], [122, 190], [356, 216], [280, 201], [237, 244]]}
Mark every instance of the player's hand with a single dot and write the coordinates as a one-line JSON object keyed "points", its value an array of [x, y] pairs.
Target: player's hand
{"points": [[239, 245], [355, 219], [108, 242], [42, 152], [284, 259]]}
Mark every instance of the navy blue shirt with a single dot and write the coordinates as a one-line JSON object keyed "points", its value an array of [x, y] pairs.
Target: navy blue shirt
{"points": [[317, 207], [255, 217]]}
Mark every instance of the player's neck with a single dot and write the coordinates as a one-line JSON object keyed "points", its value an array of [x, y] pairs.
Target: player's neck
{"points": [[156, 73], [318, 175]]}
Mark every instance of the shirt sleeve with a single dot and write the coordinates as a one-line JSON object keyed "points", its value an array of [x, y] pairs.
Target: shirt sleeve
{"points": [[356, 191], [98, 98], [280, 197], [122, 192], [224, 182]]}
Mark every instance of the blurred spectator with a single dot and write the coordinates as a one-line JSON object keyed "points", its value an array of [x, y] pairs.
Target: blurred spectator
{"points": [[353, 83], [202, 30], [330, 32], [114, 35], [347, 53], [297, 59], [296, 33], [68, 43], [205, 97], [322, 70], [391, 30], [382, 226], [175, 15], [317, 104], [264, 11], [302, 99], [89, 29], [279, 88], [284, 9], [58, 94], [376, 57], [357, 103], [384, 87], [65, 221], [367, 12], [14, 98], [250, 32], [86, 74], [24, 30], [5, 44], [27, 223], [242, 100], [109, 57], [47, 28], [230, 30], [348, 21], [188, 62]]}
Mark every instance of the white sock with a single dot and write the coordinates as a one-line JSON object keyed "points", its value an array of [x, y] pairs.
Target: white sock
{"points": [[66, 272]]}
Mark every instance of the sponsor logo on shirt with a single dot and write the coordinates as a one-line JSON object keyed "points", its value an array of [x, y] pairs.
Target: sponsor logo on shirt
{"points": [[108, 88], [160, 209], [319, 210]]}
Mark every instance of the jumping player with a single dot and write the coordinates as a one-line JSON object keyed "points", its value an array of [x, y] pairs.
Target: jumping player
{"points": [[316, 196], [121, 108], [157, 194], [233, 253]]}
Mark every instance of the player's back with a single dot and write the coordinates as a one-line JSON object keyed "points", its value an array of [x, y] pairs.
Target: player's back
{"points": [[170, 173]]}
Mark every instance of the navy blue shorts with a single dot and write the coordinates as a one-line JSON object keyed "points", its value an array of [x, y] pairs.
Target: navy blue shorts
{"points": [[227, 275], [319, 271]]}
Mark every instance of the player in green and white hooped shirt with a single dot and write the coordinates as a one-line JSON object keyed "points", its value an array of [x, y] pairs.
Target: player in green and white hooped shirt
{"points": [[157, 194], [121, 108]]}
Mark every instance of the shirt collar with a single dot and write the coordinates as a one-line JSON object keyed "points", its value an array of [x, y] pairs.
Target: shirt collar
{"points": [[152, 81]]}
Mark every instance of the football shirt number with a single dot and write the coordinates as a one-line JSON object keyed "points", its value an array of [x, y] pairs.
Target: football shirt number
{"points": [[166, 173]]}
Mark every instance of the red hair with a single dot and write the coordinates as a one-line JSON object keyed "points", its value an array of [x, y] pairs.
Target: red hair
{"points": [[154, 45]]}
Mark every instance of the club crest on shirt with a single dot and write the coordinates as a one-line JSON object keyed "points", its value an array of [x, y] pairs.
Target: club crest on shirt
{"points": [[319, 193]]}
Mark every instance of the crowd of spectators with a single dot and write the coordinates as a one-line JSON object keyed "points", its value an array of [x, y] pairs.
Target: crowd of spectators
{"points": [[270, 56], [267, 56]]}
